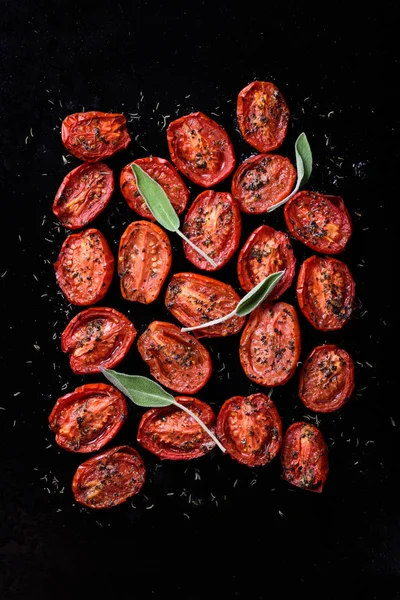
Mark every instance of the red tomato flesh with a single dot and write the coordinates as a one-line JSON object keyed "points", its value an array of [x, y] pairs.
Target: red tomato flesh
{"points": [[214, 225], [325, 291], [97, 337], [144, 260], [200, 149], [270, 344], [83, 194], [109, 478], [326, 379], [88, 418], [177, 360], [164, 174], [262, 181], [265, 252], [250, 429], [170, 433], [304, 457], [85, 267], [93, 136], [321, 222], [262, 115]]}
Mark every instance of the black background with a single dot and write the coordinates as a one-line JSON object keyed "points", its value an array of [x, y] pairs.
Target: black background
{"points": [[207, 528]]}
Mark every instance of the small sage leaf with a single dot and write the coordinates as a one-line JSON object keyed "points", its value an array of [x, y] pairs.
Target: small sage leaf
{"points": [[160, 206], [257, 294], [247, 304], [156, 199], [145, 392], [304, 163]]}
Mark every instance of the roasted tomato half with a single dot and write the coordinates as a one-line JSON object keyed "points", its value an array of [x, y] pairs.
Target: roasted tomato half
{"points": [[97, 337], [213, 223], [265, 252], [109, 478], [262, 115], [195, 299], [85, 267], [161, 171], [200, 149], [88, 418], [144, 259], [262, 181], [304, 457], [321, 222], [93, 136], [83, 194], [325, 291], [270, 344], [177, 360], [169, 432], [250, 429], [326, 379]]}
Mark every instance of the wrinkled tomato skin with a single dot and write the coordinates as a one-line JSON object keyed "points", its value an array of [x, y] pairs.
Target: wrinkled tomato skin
{"points": [[83, 194], [94, 136], [110, 478], [97, 337], [195, 299], [88, 418], [172, 434], [319, 221], [200, 149], [164, 174], [214, 224], [265, 252], [325, 292], [262, 115], [250, 429], [85, 267], [304, 457], [262, 181], [326, 379], [177, 360], [270, 344], [144, 260]]}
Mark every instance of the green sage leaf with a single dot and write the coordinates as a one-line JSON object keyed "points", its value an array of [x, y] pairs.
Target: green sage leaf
{"points": [[156, 199], [304, 164], [145, 392], [250, 301], [258, 294]]}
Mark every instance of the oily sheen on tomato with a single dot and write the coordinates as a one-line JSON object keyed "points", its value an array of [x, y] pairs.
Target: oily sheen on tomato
{"points": [[83, 194], [262, 181], [214, 225], [304, 457], [321, 222], [262, 115], [85, 267], [164, 174], [94, 136], [170, 433], [326, 379], [325, 292], [144, 260], [88, 418], [177, 360], [109, 478], [196, 299], [200, 149], [265, 252], [97, 337], [270, 344], [250, 429]]}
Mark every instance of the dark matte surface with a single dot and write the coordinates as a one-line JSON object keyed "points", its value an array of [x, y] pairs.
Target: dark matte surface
{"points": [[230, 529]]}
